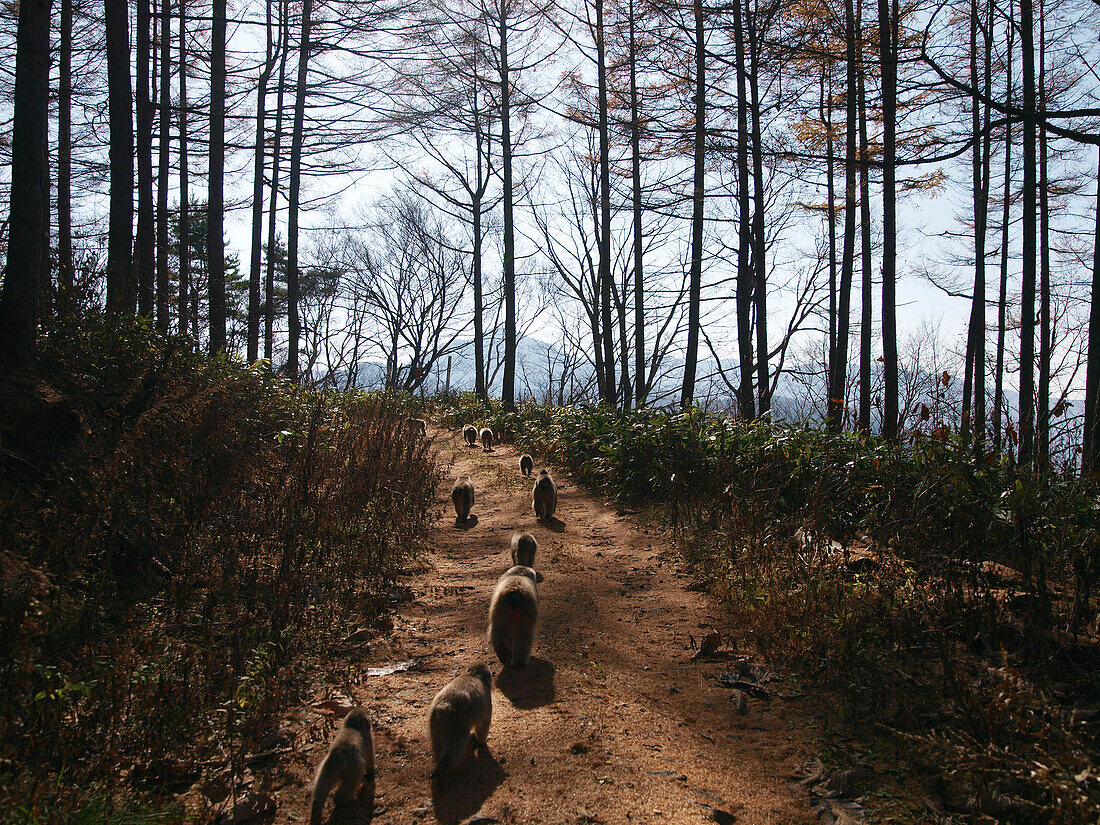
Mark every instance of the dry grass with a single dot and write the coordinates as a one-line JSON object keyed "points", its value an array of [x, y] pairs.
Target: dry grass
{"points": [[943, 609], [179, 534]]}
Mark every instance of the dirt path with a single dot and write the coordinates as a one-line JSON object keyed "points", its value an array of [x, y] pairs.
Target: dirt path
{"points": [[611, 722]]}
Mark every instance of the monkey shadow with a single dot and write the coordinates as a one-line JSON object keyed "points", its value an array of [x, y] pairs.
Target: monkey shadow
{"points": [[459, 795], [467, 524], [358, 812], [528, 687], [553, 524]]}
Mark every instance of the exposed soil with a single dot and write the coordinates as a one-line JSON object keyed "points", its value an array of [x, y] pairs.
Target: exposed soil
{"points": [[611, 722]]}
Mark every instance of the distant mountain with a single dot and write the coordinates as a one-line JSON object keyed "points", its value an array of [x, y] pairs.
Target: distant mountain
{"points": [[538, 362]]}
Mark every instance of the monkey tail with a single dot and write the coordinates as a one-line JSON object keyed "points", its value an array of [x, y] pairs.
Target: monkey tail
{"points": [[322, 786]]}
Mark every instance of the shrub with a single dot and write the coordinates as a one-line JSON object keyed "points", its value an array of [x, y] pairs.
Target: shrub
{"points": [[173, 556], [942, 601]]}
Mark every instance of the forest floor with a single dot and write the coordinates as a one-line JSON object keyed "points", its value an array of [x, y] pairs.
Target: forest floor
{"points": [[611, 722]]}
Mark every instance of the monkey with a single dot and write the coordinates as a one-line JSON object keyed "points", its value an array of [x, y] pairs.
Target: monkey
{"points": [[463, 706], [350, 758], [526, 465], [469, 432], [419, 426], [462, 494], [523, 549], [486, 439], [545, 496], [513, 614]]}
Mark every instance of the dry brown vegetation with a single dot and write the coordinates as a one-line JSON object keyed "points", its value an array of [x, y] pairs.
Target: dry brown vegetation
{"points": [[177, 534], [944, 609]]}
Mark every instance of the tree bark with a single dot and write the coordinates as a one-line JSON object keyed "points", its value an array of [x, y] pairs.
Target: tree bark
{"points": [[273, 201], [608, 395], [121, 291], [866, 319], [163, 280], [695, 274], [508, 391], [746, 402], [480, 388], [185, 198], [1002, 299], [640, 388], [253, 345], [28, 266], [1090, 458], [145, 240], [294, 322], [1042, 429], [888, 22], [1027, 281], [65, 273], [974, 375], [838, 372], [215, 204], [759, 245], [826, 115]]}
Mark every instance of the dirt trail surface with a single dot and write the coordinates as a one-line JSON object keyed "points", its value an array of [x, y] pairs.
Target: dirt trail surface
{"points": [[611, 722]]}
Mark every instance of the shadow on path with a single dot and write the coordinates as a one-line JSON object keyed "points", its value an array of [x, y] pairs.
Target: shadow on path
{"points": [[553, 524], [359, 812], [461, 793], [528, 687]]}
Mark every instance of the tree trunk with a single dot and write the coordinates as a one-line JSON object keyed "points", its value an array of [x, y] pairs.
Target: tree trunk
{"points": [[475, 208], [1002, 299], [508, 388], [145, 240], [826, 114], [28, 267], [640, 388], [608, 395], [163, 280], [65, 273], [974, 375], [215, 204], [273, 203], [185, 198], [1090, 458], [746, 403], [121, 292], [888, 22], [759, 246], [294, 323], [1042, 429], [866, 318], [695, 274], [256, 263], [1027, 281], [838, 372]]}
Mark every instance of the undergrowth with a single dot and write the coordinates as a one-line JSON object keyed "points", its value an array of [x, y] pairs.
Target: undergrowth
{"points": [[945, 604], [176, 536]]}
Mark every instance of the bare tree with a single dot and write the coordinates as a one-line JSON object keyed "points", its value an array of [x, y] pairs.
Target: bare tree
{"points": [[408, 278]]}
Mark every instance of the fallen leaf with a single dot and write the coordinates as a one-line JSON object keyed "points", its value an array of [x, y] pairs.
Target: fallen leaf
{"points": [[398, 667]]}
